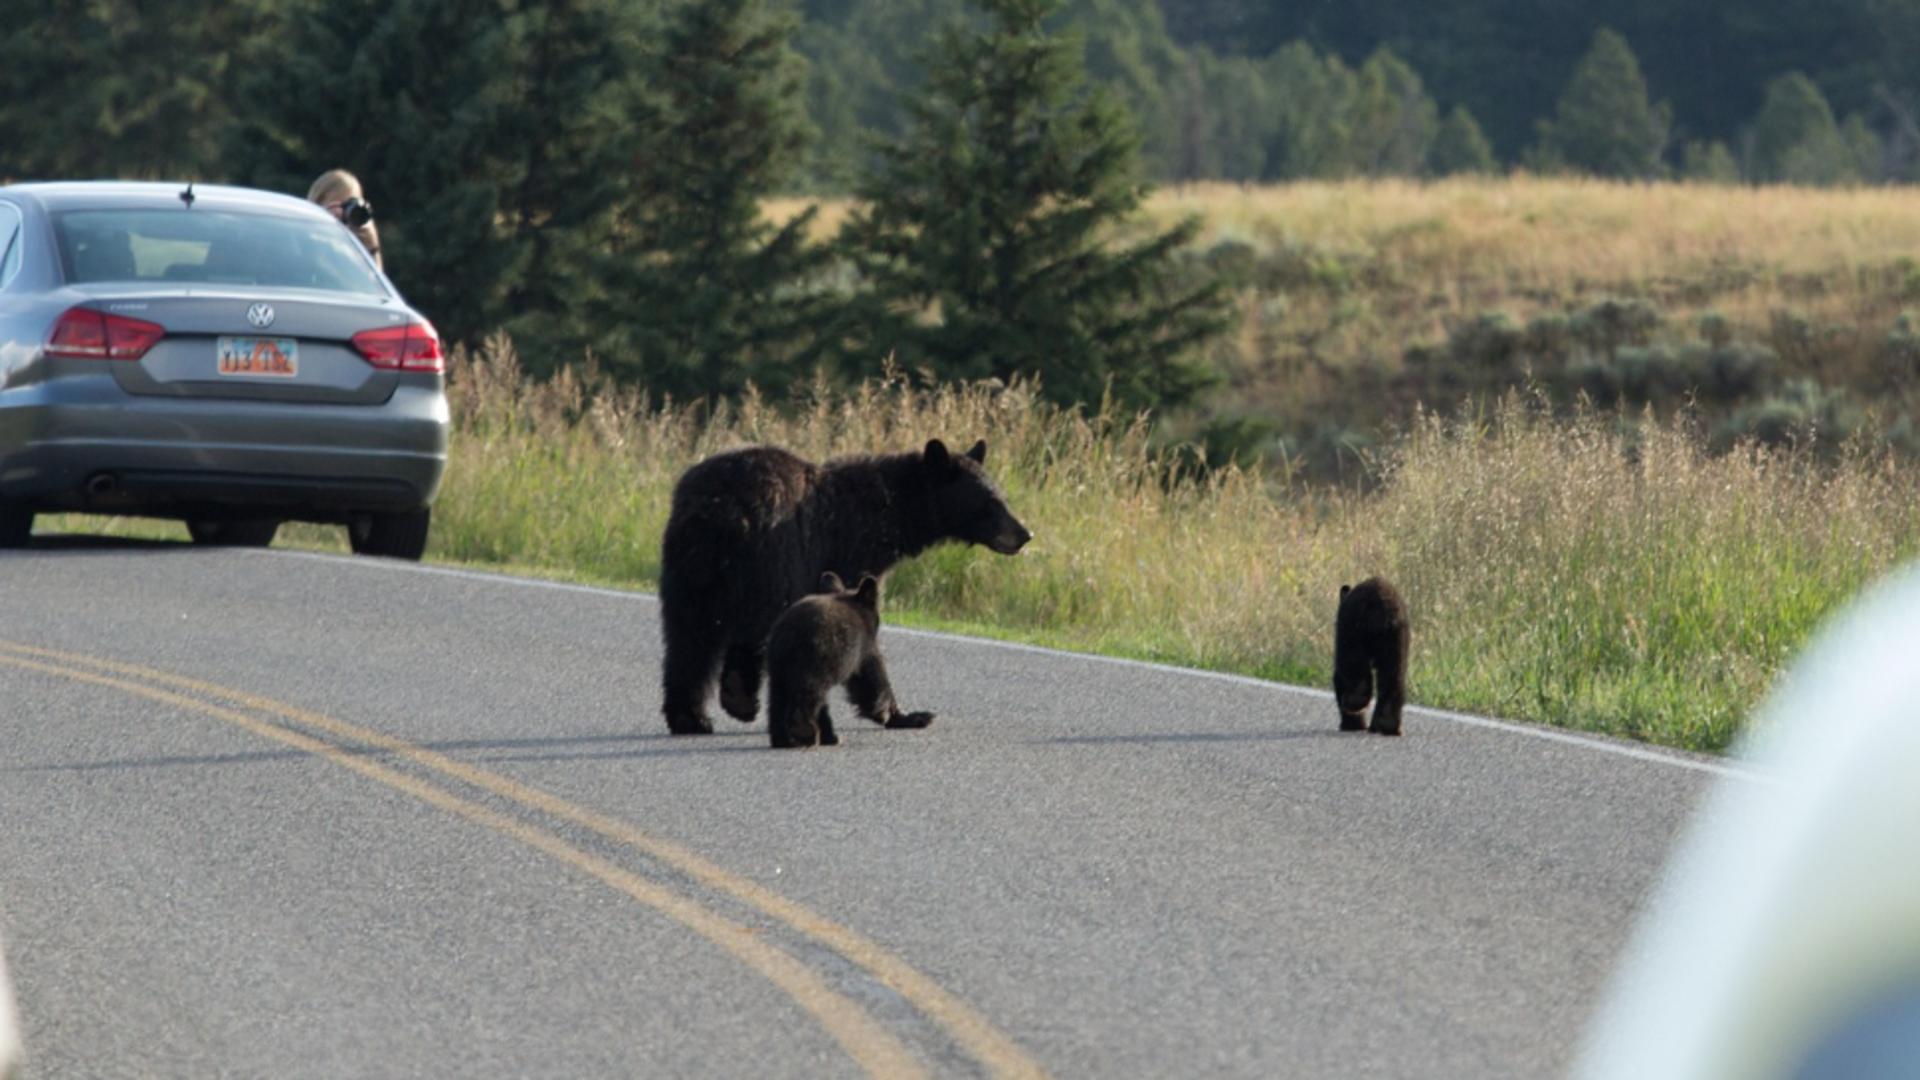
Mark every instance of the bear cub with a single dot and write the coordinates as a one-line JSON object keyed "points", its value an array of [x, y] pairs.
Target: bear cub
{"points": [[1370, 637], [822, 641]]}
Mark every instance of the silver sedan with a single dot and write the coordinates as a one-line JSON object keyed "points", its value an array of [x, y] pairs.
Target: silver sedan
{"points": [[228, 357]]}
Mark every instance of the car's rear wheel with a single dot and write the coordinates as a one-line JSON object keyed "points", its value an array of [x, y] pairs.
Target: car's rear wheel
{"points": [[247, 532], [395, 536], [16, 524]]}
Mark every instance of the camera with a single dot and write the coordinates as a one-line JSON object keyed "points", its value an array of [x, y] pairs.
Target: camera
{"points": [[356, 212]]}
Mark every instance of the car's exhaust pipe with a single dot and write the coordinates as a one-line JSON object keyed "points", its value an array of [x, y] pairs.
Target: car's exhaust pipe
{"points": [[102, 484]]}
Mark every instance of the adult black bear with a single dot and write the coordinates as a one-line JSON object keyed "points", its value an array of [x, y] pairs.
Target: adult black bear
{"points": [[1370, 636], [752, 530], [820, 642]]}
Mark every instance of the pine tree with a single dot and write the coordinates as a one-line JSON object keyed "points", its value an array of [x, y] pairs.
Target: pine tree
{"points": [[1866, 150], [1709, 163], [704, 293], [987, 232], [1315, 135], [1392, 119], [491, 158], [119, 90], [1460, 147], [1603, 123], [1795, 137]]}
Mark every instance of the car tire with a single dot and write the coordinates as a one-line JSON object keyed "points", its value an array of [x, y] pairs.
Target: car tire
{"points": [[248, 532], [394, 536], [16, 524]]}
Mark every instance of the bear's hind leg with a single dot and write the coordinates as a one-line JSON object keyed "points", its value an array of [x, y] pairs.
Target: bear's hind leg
{"points": [[740, 682], [1387, 705], [792, 717], [824, 722], [692, 656]]}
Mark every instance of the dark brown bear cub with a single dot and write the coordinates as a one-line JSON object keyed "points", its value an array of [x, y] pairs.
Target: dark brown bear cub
{"points": [[1370, 655], [752, 530], [820, 642]]}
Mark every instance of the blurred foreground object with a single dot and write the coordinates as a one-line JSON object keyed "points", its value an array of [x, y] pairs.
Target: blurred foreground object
{"points": [[9, 1026], [1784, 939]]}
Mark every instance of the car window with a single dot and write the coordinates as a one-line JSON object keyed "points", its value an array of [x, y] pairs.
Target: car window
{"points": [[214, 247], [10, 244]]}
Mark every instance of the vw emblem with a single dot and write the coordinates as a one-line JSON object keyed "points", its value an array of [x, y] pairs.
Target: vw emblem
{"points": [[260, 315]]}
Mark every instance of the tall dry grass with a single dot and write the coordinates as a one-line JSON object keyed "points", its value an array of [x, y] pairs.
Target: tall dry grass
{"points": [[1561, 572]]}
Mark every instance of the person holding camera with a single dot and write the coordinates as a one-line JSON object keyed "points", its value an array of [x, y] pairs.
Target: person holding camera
{"points": [[339, 191]]}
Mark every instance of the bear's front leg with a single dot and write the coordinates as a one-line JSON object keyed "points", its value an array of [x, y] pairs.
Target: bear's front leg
{"points": [[824, 721], [1386, 707], [740, 682], [872, 696]]}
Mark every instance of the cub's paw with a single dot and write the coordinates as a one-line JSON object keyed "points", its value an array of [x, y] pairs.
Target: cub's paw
{"points": [[1352, 722], [910, 720]]}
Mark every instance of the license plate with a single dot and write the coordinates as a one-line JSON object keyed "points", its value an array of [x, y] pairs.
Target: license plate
{"points": [[277, 358]]}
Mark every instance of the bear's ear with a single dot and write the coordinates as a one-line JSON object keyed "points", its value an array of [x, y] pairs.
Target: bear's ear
{"points": [[869, 590], [979, 452], [1344, 590], [936, 454], [830, 583]]}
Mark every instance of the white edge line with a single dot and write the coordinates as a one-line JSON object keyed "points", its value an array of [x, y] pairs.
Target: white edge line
{"points": [[1531, 731]]}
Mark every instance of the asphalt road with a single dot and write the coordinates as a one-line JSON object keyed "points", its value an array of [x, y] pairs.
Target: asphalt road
{"points": [[273, 814]]}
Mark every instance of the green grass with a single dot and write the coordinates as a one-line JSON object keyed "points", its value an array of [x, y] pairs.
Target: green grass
{"points": [[1580, 572]]}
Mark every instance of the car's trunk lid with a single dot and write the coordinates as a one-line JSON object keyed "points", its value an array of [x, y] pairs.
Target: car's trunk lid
{"points": [[279, 345]]}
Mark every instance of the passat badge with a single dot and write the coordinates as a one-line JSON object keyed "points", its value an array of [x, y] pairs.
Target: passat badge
{"points": [[260, 315]]}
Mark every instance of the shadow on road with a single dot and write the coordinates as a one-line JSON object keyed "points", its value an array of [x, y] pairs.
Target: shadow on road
{"points": [[84, 544], [163, 762], [640, 744], [637, 745], [1208, 737]]}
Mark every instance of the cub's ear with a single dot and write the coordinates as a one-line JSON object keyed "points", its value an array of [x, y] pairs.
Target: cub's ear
{"points": [[936, 454], [1344, 590], [830, 583], [979, 452], [869, 590]]}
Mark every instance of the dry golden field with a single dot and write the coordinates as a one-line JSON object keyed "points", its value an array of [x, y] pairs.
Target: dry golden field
{"points": [[1361, 299]]}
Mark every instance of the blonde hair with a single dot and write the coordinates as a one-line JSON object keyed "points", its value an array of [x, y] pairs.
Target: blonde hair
{"points": [[334, 184]]}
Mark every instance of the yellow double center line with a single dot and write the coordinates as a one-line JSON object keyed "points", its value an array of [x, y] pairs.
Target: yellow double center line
{"points": [[871, 1046]]}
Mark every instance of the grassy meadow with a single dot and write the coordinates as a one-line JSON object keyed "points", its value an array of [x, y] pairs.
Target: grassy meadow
{"points": [[1615, 563], [1764, 312]]}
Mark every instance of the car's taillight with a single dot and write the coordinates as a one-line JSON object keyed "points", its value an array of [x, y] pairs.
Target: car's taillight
{"points": [[413, 347], [85, 334]]}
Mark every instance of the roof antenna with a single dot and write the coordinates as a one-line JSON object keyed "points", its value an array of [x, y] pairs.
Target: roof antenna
{"points": [[187, 195]]}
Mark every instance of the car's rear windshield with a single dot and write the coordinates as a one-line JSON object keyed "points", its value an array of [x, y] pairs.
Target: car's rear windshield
{"points": [[215, 247]]}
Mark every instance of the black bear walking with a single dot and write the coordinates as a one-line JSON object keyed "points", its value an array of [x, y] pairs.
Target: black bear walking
{"points": [[752, 530], [820, 642], [1370, 637]]}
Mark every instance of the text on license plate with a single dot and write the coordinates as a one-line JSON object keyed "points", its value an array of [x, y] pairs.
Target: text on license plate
{"points": [[276, 357]]}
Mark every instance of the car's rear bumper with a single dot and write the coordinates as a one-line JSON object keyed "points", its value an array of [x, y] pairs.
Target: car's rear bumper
{"points": [[79, 445]]}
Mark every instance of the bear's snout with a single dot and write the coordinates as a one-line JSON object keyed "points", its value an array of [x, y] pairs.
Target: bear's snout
{"points": [[1009, 540]]}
